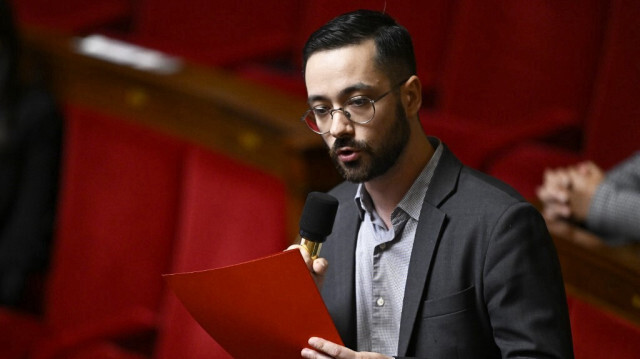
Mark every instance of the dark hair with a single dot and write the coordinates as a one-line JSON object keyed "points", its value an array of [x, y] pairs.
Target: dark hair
{"points": [[394, 50]]}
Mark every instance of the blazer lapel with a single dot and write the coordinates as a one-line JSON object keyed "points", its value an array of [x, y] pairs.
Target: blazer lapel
{"points": [[428, 234], [343, 266]]}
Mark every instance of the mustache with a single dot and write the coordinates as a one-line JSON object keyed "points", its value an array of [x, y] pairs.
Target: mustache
{"points": [[348, 142]]}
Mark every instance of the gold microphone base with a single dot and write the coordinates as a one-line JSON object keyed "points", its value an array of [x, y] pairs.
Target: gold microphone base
{"points": [[312, 247]]}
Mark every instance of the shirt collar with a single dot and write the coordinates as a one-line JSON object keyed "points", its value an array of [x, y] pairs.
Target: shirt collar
{"points": [[412, 201]]}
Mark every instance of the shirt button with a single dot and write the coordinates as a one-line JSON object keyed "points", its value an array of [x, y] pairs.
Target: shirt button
{"points": [[380, 302]]}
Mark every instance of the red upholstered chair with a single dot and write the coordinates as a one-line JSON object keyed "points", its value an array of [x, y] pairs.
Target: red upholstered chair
{"points": [[516, 70], [116, 225], [215, 32], [428, 22], [599, 334], [71, 15], [102, 350], [230, 213], [613, 120]]}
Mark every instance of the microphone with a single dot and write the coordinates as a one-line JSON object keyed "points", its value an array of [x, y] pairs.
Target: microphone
{"points": [[316, 222]]}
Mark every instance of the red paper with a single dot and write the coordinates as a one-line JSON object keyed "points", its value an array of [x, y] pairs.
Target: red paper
{"points": [[266, 308]]}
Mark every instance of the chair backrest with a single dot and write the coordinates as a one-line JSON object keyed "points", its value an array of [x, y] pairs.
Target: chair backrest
{"points": [[600, 334], [116, 226], [428, 22], [511, 59], [72, 15], [613, 125], [216, 32], [230, 213]]}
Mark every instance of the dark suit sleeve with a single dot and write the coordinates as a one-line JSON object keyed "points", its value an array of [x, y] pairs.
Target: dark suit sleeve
{"points": [[523, 288]]}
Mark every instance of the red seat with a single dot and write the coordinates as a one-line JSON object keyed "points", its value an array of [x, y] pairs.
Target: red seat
{"points": [[516, 70], [427, 21], [230, 213], [72, 15], [115, 230], [215, 32], [598, 334], [613, 120]]}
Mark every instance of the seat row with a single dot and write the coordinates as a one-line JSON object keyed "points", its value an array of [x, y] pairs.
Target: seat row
{"points": [[515, 86], [136, 204], [511, 86]]}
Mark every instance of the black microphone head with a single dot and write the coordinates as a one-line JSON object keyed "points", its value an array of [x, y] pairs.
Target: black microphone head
{"points": [[319, 212]]}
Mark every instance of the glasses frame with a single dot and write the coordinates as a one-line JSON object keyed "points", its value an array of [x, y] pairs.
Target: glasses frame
{"points": [[347, 114]]}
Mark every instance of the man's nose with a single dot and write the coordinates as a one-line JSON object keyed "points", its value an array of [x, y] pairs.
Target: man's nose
{"points": [[340, 124]]}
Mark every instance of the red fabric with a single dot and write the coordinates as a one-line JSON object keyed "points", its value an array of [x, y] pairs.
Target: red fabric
{"points": [[428, 22], [125, 324], [511, 59], [116, 225], [116, 219], [216, 32], [18, 333], [230, 213], [511, 64], [612, 126], [523, 167], [102, 350], [598, 334], [476, 141], [71, 15]]}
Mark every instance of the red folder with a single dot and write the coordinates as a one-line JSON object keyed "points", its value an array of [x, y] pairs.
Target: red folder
{"points": [[266, 308]]}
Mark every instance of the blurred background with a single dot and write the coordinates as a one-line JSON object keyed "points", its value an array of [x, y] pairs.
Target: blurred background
{"points": [[142, 137]]}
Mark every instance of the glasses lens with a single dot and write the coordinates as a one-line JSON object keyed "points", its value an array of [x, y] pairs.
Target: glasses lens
{"points": [[310, 120], [360, 108]]}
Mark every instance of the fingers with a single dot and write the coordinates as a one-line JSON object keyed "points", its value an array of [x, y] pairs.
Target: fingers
{"points": [[317, 267], [303, 251], [555, 193], [320, 266], [555, 187], [322, 349], [305, 255], [556, 211]]}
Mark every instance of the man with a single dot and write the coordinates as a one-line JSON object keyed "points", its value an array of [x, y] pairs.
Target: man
{"points": [[607, 204], [427, 258]]}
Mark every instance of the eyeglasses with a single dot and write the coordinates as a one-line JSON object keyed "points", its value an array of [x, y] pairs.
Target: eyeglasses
{"points": [[358, 109]]}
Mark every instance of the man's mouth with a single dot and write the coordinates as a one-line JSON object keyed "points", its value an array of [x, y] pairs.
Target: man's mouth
{"points": [[348, 154]]}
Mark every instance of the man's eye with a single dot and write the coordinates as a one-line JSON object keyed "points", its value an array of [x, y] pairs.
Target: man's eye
{"points": [[320, 111], [359, 101]]}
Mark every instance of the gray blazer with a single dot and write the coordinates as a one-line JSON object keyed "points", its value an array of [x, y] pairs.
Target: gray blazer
{"points": [[484, 279], [615, 207]]}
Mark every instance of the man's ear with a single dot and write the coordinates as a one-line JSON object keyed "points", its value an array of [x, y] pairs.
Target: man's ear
{"points": [[412, 96]]}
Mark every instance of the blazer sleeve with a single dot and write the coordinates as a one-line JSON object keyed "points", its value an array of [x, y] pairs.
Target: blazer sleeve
{"points": [[614, 209], [523, 288]]}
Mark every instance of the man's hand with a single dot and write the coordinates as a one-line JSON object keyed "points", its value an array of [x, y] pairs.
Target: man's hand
{"points": [[324, 349], [566, 193], [317, 267], [585, 178], [554, 194]]}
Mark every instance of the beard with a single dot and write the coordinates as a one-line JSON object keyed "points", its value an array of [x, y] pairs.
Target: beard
{"points": [[374, 161]]}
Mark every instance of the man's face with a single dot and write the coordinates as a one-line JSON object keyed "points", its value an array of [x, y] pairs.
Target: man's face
{"points": [[361, 152]]}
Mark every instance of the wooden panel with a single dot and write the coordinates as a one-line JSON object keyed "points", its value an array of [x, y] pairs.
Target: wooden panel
{"points": [[605, 275]]}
